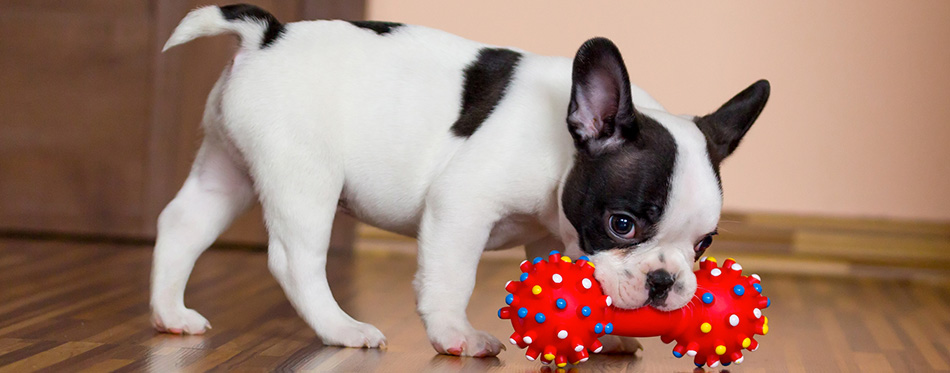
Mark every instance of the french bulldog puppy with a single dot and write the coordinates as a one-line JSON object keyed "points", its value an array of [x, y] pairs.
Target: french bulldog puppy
{"points": [[465, 146]]}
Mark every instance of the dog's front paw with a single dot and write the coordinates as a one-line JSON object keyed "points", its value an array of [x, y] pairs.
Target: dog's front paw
{"points": [[464, 342], [620, 345], [179, 321], [356, 334]]}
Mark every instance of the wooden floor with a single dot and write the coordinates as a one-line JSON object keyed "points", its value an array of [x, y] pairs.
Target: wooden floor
{"points": [[84, 307]]}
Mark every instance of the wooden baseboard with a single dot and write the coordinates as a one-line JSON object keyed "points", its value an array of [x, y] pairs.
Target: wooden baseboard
{"points": [[853, 240], [848, 242]]}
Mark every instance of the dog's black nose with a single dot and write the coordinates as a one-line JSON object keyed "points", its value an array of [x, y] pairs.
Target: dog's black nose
{"points": [[660, 282]]}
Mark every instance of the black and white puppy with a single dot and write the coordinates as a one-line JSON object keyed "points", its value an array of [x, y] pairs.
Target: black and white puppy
{"points": [[465, 146]]}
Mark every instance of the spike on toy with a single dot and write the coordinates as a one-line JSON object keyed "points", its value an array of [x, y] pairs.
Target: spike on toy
{"points": [[569, 312]]}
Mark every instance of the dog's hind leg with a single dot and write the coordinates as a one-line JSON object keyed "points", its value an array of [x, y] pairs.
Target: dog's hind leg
{"points": [[541, 248], [300, 202], [216, 191]]}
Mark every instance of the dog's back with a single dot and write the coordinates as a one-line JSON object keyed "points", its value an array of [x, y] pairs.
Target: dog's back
{"points": [[372, 85]]}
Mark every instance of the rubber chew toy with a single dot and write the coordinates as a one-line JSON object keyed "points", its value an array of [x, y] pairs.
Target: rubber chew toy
{"points": [[558, 311]]}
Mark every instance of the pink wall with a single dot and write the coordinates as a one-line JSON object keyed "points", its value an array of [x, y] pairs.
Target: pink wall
{"points": [[859, 119]]}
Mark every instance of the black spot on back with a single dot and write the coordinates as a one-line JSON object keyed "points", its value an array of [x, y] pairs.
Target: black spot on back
{"points": [[379, 27], [255, 14], [486, 80]]}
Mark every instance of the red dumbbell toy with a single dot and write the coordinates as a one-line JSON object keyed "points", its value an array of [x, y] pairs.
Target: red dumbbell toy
{"points": [[558, 311]]}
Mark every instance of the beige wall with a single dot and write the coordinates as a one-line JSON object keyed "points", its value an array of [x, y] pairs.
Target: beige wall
{"points": [[859, 119]]}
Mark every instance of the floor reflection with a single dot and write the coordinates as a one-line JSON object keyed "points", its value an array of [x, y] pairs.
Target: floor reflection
{"points": [[463, 364], [174, 352]]}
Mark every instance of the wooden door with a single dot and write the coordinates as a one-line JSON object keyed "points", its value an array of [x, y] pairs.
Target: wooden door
{"points": [[98, 128]]}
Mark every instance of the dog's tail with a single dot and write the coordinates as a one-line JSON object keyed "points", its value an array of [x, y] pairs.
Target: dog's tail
{"points": [[255, 26]]}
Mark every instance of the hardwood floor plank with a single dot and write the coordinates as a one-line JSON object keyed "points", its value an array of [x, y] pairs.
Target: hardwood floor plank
{"points": [[107, 365], [49, 357], [821, 321], [872, 362], [882, 332], [8, 345], [924, 345]]}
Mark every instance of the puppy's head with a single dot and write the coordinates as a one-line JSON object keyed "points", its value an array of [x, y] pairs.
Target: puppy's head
{"points": [[644, 194]]}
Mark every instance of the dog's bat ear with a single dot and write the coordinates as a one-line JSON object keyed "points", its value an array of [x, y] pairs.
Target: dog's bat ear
{"points": [[601, 113], [725, 127]]}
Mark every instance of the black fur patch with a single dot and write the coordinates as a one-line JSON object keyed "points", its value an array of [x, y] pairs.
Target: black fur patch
{"points": [[486, 80], [253, 13], [624, 163], [379, 27], [726, 127], [633, 179]]}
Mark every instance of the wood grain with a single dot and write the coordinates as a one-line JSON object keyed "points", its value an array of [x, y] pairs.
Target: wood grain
{"points": [[74, 75], [99, 127], [83, 307]]}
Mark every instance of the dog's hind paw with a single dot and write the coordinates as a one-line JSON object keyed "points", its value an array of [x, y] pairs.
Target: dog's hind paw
{"points": [[620, 345], [474, 343], [357, 335], [181, 321]]}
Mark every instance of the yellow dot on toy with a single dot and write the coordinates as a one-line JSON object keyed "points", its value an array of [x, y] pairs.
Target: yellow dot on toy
{"points": [[566, 259], [765, 329], [720, 350], [746, 343], [591, 264], [562, 365], [536, 289], [765, 320], [706, 327], [711, 259], [549, 356], [730, 259]]}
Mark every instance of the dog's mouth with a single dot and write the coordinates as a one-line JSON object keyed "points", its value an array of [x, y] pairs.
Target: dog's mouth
{"points": [[637, 294], [625, 294], [635, 284], [655, 303]]}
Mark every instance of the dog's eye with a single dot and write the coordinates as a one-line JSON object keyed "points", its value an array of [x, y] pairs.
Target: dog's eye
{"points": [[702, 245], [622, 225]]}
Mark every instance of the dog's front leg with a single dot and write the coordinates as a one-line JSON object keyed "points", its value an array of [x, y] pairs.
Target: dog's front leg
{"points": [[451, 240]]}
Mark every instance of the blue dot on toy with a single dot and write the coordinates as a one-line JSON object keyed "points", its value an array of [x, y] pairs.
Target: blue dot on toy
{"points": [[524, 276], [609, 328], [738, 289], [536, 260], [539, 317], [553, 252], [757, 287], [598, 328], [726, 364], [677, 354], [584, 257], [768, 302], [509, 298], [708, 298], [561, 303], [522, 312], [698, 365], [585, 311], [499, 313]]}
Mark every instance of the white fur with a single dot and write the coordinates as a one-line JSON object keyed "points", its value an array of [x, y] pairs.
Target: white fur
{"points": [[333, 114], [208, 21]]}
